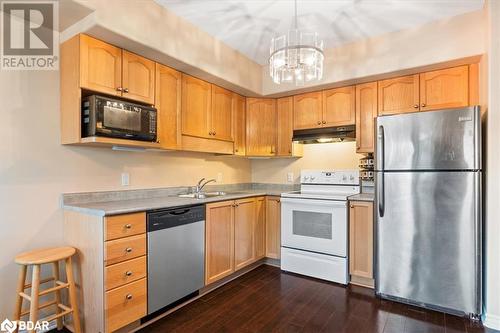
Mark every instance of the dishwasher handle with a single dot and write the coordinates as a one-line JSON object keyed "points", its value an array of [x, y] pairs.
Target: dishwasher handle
{"points": [[170, 218]]}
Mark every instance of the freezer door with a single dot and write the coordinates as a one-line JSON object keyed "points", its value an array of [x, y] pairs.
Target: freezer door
{"points": [[429, 239], [435, 140]]}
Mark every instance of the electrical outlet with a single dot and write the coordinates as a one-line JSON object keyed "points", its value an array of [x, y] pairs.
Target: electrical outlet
{"points": [[125, 179], [219, 177], [289, 177]]}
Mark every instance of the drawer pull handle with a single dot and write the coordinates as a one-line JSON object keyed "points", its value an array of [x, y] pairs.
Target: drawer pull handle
{"points": [[128, 249], [129, 297], [128, 226], [125, 90], [128, 273]]}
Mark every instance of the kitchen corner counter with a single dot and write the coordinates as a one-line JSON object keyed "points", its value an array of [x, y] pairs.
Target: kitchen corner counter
{"points": [[362, 197], [169, 200]]}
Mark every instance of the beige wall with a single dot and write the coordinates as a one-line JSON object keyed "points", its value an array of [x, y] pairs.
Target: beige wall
{"points": [[316, 156], [35, 169]]}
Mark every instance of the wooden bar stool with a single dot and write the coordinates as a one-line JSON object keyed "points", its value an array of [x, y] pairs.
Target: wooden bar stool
{"points": [[36, 258]]}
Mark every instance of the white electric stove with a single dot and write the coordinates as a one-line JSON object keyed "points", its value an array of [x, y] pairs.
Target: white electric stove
{"points": [[314, 227]]}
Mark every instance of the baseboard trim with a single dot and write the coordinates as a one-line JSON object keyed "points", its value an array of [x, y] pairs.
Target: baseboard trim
{"points": [[492, 321]]}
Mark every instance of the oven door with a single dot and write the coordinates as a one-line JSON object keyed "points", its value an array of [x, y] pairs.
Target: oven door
{"points": [[314, 225]]}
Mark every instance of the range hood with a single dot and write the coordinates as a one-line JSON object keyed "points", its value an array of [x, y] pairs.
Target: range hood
{"points": [[325, 135]]}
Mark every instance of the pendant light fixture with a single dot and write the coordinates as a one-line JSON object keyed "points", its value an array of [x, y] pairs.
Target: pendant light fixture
{"points": [[296, 57]]}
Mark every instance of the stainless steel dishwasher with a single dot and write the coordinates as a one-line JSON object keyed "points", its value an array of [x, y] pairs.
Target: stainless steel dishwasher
{"points": [[176, 254]]}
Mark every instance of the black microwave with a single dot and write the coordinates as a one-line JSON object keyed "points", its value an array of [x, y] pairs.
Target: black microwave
{"points": [[104, 116]]}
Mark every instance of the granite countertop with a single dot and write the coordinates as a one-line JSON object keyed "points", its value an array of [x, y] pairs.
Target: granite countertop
{"points": [[362, 197], [115, 207]]}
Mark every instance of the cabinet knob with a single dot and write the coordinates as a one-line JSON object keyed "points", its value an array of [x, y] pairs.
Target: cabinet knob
{"points": [[128, 249], [128, 226], [324, 122], [129, 296], [424, 105], [125, 90], [319, 122], [209, 133], [415, 106], [352, 206], [236, 150], [128, 273], [119, 89], [213, 133]]}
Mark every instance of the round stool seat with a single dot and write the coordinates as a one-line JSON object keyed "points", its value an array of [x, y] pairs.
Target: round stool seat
{"points": [[44, 256]]}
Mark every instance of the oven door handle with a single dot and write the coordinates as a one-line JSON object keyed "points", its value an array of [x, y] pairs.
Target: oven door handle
{"points": [[315, 202]]}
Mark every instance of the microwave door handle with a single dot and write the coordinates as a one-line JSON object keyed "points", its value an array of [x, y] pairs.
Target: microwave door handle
{"points": [[381, 162]]}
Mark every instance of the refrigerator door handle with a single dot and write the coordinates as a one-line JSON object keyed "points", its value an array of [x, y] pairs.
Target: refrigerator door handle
{"points": [[381, 158]]}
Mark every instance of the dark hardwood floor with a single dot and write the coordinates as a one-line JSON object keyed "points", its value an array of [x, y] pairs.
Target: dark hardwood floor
{"points": [[268, 300]]}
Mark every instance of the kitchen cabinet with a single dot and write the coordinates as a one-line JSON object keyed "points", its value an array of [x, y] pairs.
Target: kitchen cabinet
{"points": [[221, 114], [273, 227], [239, 124], [168, 103], [261, 127], [284, 112], [196, 105], [446, 88], [399, 95], [308, 110], [244, 228], [361, 243], [339, 107], [138, 78], [366, 112], [219, 240], [260, 228]]}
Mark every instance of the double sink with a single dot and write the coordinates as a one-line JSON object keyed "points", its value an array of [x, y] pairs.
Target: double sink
{"points": [[202, 195]]}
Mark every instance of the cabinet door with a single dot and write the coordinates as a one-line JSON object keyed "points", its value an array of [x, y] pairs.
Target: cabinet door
{"points": [[284, 111], [239, 124], [244, 224], [261, 127], [307, 110], [260, 228], [138, 78], [196, 104], [366, 111], [273, 227], [361, 240], [399, 95], [339, 107], [219, 241], [221, 115], [446, 88], [100, 66], [168, 103]]}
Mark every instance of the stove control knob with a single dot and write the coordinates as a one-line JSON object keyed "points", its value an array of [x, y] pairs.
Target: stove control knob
{"points": [[312, 178], [351, 178], [306, 178], [344, 178]]}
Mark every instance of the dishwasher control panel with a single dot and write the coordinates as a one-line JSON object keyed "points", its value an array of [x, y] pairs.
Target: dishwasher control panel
{"points": [[170, 218]]}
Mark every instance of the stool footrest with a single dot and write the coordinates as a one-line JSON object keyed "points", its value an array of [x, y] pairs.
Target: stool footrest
{"points": [[61, 285], [25, 296], [57, 315], [41, 306], [27, 286]]}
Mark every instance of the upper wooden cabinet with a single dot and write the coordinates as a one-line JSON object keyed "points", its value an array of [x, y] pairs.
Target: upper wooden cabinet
{"points": [[100, 66], [366, 112], [399, 95], [221, 115], [239, 124], [219, 240], [307, 111], [138, 78], [168, 103], [446, 88], [196, 104], [111, 70], [339, 107], [261, 127], [361, 243], [284, 111]]}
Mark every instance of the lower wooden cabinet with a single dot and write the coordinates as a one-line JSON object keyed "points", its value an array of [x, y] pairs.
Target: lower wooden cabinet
{"points": [[361, 243], [260, 228], [273, 227], [244, 233], [126, 304]]}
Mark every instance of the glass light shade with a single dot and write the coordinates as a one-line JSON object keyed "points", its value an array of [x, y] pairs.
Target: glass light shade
{"points": [[296, 57]]}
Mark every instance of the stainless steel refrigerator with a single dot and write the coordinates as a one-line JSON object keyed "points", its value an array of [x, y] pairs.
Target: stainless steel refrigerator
{"points": [[428, 209]]}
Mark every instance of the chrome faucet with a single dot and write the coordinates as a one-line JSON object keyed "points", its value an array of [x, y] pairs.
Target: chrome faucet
{"points": [[201, 184]]}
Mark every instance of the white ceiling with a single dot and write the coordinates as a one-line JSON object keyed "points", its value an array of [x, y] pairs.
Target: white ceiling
{"points": [[249, 25]]}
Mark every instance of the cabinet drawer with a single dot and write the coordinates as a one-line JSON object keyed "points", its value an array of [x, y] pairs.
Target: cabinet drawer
{"points": [[125, 304], [125, 225], [122, 249], [125, 272]]}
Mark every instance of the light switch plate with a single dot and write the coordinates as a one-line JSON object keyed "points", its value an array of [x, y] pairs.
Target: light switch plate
{"points": [[289, 177], [125, 179], [220, 177]]}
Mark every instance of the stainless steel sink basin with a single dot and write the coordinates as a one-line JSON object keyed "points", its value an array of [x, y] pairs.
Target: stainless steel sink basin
{"points": [[202, 195]]}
